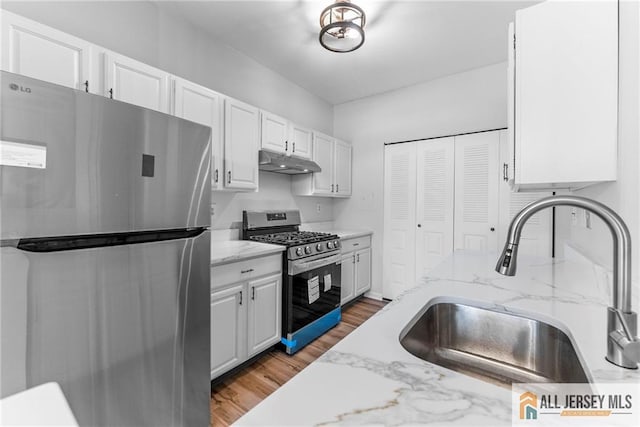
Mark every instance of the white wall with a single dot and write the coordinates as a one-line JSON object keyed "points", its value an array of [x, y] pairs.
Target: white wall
{"points": [[465, 102], [621, 195], [144, 31], [275, 193]]}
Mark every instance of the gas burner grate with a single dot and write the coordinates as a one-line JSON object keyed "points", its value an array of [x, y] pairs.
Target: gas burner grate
{"points": [[294, 237]]}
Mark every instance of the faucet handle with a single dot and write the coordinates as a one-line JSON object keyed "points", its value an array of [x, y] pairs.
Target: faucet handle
{"points": [[623, 348], [630, 347]]}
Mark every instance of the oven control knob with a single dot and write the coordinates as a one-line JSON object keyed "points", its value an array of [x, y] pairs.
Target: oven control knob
{"points": [[319, 247], [329, 245], [307, 250], [336, 244], [298, 251]]}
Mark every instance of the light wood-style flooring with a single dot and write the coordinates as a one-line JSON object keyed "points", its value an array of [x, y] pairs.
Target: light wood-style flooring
{"points": [[237, 394]]}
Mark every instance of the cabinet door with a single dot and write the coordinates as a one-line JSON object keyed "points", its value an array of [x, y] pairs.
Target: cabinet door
{"points": [[301, 140], [363, 271], [536, 234], [566, 93], [399, 218], [204, 106], [241, 131], [132, 81], [323, 156], [265, 313], [507, 159], [342, 168], [274, 133], [38, 51], [434, 203], [228, 328], [347, 278], [476, 191]]}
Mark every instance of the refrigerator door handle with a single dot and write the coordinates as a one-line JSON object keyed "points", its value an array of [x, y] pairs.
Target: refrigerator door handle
{"points": [[87, 241]]}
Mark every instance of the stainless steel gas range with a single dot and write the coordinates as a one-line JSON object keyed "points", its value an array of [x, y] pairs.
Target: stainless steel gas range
{"points": [[311, 274]]}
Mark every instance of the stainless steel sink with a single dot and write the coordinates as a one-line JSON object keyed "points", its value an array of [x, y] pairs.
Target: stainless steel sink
{"points": [[493, 344]]}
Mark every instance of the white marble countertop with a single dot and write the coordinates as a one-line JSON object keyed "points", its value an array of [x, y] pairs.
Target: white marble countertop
{"points": [[351, 234], [369, 378], [223, 252]]}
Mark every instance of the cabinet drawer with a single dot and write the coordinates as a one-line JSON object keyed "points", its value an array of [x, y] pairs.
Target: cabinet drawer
{"points": [[349, 245], [222, 275]]}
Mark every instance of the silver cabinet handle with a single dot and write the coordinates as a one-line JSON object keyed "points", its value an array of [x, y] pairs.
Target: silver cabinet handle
{"points": [[332, 188], [293, 146], [86, 86], [246, 271], [111, 93], [216, 178], [358, 256], [229, 177], [505, 171], [240, 298], [354, 259], [337, 190], [253, 292]]}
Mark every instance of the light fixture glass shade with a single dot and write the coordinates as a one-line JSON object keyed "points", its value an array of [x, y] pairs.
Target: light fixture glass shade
{"points": [[342, 27]]}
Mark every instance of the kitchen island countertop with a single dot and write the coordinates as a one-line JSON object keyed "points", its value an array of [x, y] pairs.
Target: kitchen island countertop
{"points": [[369, 378], [223, 252]]}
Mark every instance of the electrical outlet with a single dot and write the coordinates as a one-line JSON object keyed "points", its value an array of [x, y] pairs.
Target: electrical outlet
{"points": [[318, 207], [587, 219]]}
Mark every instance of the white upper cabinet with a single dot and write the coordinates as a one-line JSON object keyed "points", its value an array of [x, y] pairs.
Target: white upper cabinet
{"points": [[274, 135], [323, 155], [281, 136], [563, 114], [132, 81], [201, 105], [334, 180], [241, 142], [342, 169], [300, 141], [41, 52]]}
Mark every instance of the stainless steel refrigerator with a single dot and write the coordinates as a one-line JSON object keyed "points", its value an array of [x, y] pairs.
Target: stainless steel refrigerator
{"points": [[105, 243]]}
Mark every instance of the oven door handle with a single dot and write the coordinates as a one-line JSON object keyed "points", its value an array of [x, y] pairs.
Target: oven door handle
{"points": [[297, 268]]}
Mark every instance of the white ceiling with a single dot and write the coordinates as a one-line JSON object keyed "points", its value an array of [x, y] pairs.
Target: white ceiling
{"points": [[407, 42]]}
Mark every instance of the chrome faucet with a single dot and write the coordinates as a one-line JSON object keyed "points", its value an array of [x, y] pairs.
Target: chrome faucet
{"points": [[623, 346]]}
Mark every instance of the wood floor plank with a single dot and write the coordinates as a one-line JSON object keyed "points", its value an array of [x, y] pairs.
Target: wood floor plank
{"points": [[239, 393]]}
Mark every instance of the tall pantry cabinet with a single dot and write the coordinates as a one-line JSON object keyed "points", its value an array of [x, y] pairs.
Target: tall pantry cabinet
{"points": [[446, 194]]}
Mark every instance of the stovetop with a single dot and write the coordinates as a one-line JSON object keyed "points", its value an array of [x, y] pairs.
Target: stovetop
{"points": [[282, 228], [294, 238]]}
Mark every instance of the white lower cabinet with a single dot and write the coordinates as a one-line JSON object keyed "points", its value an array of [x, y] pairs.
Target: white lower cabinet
{"points": [[263, 329], [356, 268], [246, 310], [228, 330]]}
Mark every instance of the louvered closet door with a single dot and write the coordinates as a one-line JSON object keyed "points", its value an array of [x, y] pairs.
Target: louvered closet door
{"points": [[476, 192], [399, 219], [434, 203]]}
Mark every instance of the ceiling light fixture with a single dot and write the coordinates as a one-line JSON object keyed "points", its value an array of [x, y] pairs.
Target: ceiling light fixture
{"points": [[342, 27]]}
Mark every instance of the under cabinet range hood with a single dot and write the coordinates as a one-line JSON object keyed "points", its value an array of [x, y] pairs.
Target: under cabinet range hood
{"points": [[274, 162]]}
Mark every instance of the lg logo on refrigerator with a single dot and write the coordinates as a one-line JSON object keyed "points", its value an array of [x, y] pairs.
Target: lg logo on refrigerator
{"points": [[14, 86]]}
